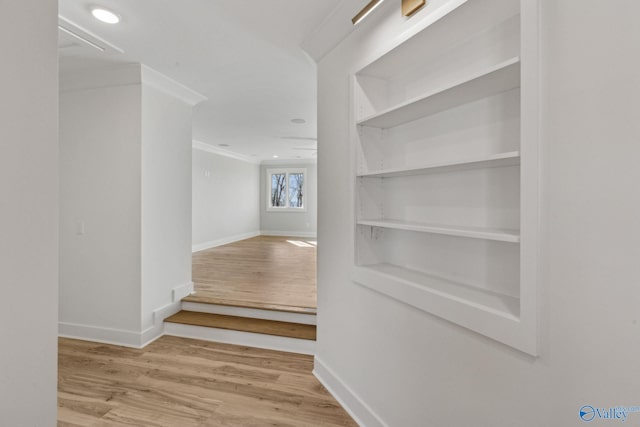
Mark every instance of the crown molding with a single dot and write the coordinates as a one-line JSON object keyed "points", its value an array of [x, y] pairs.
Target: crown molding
{"points": [[165, 84], [202, 146], [289, 162]]}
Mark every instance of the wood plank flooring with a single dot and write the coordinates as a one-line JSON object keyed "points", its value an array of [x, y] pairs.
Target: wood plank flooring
{"points": [[179, 382], [262, 272], [245, 324]]}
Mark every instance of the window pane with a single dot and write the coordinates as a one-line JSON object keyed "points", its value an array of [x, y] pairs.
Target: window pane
{"points": [[278, 190], [296, 184]]}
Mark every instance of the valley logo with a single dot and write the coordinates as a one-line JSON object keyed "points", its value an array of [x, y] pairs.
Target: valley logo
{"points": [[589, 413]]}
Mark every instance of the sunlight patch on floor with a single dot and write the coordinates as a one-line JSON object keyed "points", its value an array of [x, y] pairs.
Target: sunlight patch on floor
{"points": [[301, 244]]}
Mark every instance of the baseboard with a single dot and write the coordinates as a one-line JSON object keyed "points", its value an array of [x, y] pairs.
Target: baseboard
{"points": [[223, 241], [99, 334], [306, 234], [156, 330], [351, 402], [180, 292], [128, 338], [248, 339]]}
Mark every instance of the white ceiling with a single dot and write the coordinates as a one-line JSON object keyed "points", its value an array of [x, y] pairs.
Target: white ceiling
{"points": [[245, 56]]}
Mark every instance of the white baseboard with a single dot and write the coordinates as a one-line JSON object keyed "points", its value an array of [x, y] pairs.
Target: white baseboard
{"points": [[223, 241], [253, 313], [128, 338], [180, 292], [306, 234], [99, 334], [351, 402], [156, 330], [249, 339]]}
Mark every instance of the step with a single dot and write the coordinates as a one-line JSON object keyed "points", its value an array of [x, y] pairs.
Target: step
{"points": [[197, 298], [269, 334], [245, 324], [255, 313]]}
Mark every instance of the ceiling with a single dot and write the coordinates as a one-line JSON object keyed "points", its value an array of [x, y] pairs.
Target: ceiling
{"points": [[244, 56]]}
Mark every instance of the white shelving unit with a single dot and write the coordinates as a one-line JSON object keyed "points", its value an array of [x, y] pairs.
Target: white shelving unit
{"points": [[488, 161], [492, 80], [498, 235], [445, 132]]}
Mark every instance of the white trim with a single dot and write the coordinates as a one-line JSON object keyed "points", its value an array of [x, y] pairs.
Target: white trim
{"points": [[152, 337], [286, 172], [288, 162], [253, 313], [155, 331], [167, 85], [270, 342], [203, 146], [348, 399], [223, 241], [98, 334], [305, 234], [180, 292], [87, 37], [159, 314]]}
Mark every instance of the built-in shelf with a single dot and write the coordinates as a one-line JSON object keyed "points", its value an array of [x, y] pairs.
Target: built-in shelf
{"points": [[500, 235], [445, 129], [491, 161], [490, 81], [430, 292]]}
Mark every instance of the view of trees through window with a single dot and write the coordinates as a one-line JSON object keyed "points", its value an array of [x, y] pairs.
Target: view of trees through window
{"points": [[296, 184], [287, 190], [278, 190]]}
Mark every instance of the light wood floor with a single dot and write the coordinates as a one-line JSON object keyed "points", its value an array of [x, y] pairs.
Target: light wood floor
{"points": [[179, 382], [262, 272]]}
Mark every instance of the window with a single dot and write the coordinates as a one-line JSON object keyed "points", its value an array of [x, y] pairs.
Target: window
{"points": [[286, 190]]}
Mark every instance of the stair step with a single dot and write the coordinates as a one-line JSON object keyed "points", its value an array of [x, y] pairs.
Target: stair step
{"points": [[245, 324], [202, 299], [226, 310]]}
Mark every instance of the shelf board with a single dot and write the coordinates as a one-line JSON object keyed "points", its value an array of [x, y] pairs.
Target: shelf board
{"points": [[491, 161], [417, 289], [491, 81], [500, 235]]}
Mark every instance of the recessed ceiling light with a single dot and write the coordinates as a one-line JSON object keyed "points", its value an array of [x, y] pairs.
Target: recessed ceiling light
{"points": [[298, 121], [275, 156], [223, 145], [105, 15]]}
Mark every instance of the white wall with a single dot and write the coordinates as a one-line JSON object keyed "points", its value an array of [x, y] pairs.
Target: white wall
{"points": [[166, 201], [28, 212], [100, 155], [125, 223], [412, 369], [290, 223], [225, 199]]}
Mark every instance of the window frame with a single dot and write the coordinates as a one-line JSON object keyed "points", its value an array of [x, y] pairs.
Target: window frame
{"points": [[287, 172]]}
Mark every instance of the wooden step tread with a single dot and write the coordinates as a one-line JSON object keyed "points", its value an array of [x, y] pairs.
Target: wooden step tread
{"points": [[245, 324]]}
